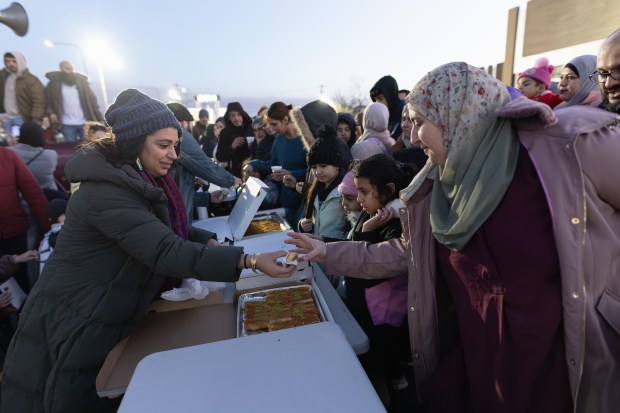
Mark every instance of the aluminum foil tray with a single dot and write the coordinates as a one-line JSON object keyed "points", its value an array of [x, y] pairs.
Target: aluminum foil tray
{"points": [[278, 312]]}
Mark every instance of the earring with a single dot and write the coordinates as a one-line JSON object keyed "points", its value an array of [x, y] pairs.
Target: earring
{"points": [[139, 164]]}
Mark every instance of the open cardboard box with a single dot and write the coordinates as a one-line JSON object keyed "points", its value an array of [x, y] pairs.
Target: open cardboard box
{"points": [[234, 226], [169, 325]]}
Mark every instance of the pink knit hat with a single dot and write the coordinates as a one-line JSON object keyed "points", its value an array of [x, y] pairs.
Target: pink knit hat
{"points": [[347, 186], [541, 71]]}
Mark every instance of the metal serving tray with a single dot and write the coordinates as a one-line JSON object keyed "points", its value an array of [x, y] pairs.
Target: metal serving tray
{"points": [[271, 216], [324, 315]]}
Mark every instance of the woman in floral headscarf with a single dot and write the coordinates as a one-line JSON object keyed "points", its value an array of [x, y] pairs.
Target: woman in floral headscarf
{"points": [[497, 307]]}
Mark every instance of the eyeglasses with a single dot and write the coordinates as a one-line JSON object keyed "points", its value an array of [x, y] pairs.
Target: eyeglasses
{"points": [[568, 77], [601, 77], [258, 129]]}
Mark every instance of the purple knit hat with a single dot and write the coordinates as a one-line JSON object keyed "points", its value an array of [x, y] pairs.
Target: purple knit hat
{"points": [[347, 186], [541, 71]]}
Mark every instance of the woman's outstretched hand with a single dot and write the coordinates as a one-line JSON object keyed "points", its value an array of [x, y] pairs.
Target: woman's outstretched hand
{"points": [[268, 263], [313, 249]]}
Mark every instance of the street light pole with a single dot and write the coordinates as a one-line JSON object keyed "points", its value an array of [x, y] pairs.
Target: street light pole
{"points": [[49, 43], [104, 92]]}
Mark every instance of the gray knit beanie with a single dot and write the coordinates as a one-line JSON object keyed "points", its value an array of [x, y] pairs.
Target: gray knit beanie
{"points": [[134, 114]]}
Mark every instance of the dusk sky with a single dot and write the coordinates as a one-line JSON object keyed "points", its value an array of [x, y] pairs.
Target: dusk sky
{"points": [[259, 51]]}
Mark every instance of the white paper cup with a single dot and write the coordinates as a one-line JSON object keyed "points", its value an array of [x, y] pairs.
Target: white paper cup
{"points": [[275, 168], [250, 139]]}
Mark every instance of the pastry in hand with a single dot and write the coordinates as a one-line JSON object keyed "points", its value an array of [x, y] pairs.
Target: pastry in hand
{"points": [[291, 258]]}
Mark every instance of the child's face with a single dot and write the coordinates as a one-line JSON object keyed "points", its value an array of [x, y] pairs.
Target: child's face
{"points": [[350, 204], [367, 196], [325, 173], [530, 88], [344, 131]]}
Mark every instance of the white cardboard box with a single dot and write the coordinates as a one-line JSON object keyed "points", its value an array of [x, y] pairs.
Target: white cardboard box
{"points": [[234, 226]]}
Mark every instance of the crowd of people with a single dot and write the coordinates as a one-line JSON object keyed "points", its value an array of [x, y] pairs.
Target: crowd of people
{"points": [[471, 227]]}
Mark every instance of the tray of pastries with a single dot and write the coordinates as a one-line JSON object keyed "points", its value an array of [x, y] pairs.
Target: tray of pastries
{"points": [[277, 309], [266, 223]]}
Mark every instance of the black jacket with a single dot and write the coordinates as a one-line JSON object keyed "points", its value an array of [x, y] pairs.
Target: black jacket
{"points": [[105, 271], [225, 152], [88, 100], [389, 88]]}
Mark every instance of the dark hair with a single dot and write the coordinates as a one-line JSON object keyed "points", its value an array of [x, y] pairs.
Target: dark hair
{"points": [[117, 153], [381, 170], [375, 93], [90, 127], [31, 133], [221, 120], [278, 110]]}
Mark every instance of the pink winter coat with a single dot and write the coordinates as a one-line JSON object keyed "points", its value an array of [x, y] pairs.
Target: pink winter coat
{"points": [[576, 159]]}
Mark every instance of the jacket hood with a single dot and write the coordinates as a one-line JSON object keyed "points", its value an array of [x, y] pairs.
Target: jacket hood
{"points": [[389, 88], [22, 65], [54, 76], [236, 107], [348, 118], [310, 117], [88, 165]]}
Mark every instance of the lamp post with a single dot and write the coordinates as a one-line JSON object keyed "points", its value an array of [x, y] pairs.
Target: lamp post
{"points": [[49, 43], [104, 91]]}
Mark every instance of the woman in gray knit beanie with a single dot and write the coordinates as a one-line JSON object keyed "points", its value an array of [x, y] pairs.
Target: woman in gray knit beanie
{"points": [[125, 239]]}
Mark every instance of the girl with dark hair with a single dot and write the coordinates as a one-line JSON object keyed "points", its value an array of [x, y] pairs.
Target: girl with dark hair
{"points": [[325, 215], [378, 180]]}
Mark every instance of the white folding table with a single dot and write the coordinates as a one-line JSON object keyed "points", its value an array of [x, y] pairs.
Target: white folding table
{"points": [[305, 369]]}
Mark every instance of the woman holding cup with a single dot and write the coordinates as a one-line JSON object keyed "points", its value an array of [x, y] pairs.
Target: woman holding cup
{"points": [[288, 158]]}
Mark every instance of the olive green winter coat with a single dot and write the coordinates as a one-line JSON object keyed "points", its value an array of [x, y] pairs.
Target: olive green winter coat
{"points": [[95, 288]]}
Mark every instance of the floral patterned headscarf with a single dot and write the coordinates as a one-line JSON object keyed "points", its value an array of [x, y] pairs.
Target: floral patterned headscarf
{"points": [[481, 149]]}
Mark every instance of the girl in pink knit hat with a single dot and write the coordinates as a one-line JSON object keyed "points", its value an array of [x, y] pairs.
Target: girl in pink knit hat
{"points": [[535, 82]]}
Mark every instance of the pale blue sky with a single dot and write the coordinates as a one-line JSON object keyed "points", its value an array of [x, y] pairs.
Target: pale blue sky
{"points": [[262, 49]]}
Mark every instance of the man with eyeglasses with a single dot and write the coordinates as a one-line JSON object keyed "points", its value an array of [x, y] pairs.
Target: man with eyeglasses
{"points": [[607, 73]]}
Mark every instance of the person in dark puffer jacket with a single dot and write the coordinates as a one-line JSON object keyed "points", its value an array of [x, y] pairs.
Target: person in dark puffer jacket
{"points": [[125, 238]]}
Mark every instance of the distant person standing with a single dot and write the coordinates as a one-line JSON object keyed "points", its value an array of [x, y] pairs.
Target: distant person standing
{"points": [[70, 102], [386, 91], [232, 148], [200, 127], [22, 95]]}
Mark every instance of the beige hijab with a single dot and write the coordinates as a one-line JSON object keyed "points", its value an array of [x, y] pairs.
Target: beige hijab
{"points": [[481, 149]]}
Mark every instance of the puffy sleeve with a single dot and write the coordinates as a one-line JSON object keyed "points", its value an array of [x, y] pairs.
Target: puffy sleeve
{"points": [[368, 261], [127, 219]]}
